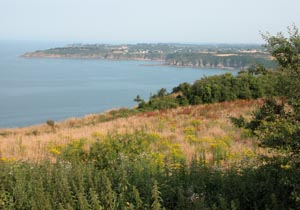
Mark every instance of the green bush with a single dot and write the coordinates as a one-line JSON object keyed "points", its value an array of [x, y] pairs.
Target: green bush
{"points": [[252, 84]]}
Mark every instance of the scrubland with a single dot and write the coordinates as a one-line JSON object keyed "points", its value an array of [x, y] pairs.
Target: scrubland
{"points": [[205, 129]]}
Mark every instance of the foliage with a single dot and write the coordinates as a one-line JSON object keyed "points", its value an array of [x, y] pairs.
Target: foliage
{"points": [[277, 122], [51, 124], [74, 151], [157, 101], [209, 60], [286, 50], [134, 179], [252, 84]]}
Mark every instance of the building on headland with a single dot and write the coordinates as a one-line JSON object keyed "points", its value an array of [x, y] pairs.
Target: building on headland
{"points": [[120, 50]]}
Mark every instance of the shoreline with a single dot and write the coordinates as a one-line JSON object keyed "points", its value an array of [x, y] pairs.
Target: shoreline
{"points": [[162, 62], [64, 120], [68, 120]]}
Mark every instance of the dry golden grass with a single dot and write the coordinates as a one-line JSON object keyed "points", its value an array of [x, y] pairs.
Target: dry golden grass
{"points": [[187, 126]]}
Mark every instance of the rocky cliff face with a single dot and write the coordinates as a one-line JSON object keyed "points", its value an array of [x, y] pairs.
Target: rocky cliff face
{"points": [[203, 64]]}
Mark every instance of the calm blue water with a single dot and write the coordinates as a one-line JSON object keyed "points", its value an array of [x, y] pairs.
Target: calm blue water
{"points": [[35, 90]]}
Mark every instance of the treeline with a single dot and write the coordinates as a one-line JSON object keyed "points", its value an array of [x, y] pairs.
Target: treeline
{"points": [[254, 83], [237, 61], [127, 172]]}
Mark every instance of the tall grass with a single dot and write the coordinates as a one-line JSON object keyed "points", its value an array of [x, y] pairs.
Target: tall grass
{"points": [[143, 171], [22, 144]]}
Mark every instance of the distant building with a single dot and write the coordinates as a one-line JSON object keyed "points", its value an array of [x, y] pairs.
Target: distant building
{"points": [[120, 50]]}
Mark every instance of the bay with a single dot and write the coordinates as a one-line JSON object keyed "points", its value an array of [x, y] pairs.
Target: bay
{"points": [[33, 90]]}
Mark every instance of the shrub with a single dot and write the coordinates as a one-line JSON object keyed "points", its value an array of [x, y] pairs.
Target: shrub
{"points": [[51, 123]]}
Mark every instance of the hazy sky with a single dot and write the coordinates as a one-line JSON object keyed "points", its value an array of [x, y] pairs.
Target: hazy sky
{"points": [[115, 21]]}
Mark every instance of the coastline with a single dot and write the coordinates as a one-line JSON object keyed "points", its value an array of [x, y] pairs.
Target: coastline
{"points": [[162, 61], [70, 121]]}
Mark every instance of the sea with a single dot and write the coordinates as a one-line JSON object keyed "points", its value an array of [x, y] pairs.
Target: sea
{"points": [[34, 90]]}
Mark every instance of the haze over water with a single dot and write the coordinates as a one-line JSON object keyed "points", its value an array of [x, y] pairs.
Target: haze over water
{"points": [[35, 90]]}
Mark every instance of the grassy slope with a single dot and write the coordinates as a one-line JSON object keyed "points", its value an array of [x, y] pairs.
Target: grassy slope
{"points": [[193, 129]]}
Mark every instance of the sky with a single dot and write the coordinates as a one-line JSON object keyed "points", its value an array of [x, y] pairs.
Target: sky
{"points": [[135, 21]]}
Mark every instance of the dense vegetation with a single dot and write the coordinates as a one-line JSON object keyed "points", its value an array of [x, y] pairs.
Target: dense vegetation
{"points": [[254, 83], [277, 122], [237, 61], [127, 172], [143, 170]]}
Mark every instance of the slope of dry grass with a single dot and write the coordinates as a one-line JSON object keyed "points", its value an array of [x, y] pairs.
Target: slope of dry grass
{"points": [[194, 128]]}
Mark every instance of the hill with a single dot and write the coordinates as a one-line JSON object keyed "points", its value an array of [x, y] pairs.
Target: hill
{"points": [[232, 56], [191, 128], [189, 157]]}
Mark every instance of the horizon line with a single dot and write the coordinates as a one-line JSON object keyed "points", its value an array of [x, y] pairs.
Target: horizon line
{"points": [[129, 42]]}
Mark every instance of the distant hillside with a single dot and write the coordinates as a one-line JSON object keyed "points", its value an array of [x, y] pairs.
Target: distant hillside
{"points": [[199, 56]]}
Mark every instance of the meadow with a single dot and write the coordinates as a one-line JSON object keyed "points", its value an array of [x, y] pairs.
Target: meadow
{"points": [[190, 157], [191, 128]]}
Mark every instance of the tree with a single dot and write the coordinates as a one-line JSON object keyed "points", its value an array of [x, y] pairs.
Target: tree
{"points": [[138, 99], [286, 51], [162, 92], [51, 124], [277, 122]]}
